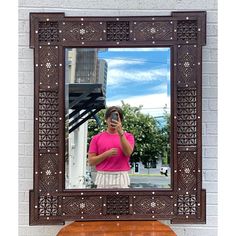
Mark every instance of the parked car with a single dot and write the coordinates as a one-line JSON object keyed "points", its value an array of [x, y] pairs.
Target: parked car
{"points": [[165, 170]]}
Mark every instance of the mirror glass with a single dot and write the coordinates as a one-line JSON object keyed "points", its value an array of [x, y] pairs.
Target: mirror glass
{"points": [[137, 80]]}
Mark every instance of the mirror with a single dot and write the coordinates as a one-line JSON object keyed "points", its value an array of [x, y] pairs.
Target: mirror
{"points": [[61, 106], [138, 81]]}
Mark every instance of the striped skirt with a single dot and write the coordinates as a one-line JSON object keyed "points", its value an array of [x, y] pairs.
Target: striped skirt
{"points": [[111, 179]]}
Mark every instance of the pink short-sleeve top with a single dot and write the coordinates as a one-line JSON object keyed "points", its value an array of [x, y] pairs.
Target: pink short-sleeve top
{"points": [[105, 141]]}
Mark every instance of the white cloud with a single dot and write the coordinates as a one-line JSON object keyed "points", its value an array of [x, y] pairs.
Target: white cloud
{"points": [[114, 63], [153, 104], [119, 77], [161, 87]]}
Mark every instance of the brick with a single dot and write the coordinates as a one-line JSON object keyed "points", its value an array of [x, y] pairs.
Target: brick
{"points": [[212, 16], [204, 132], [209, 116], [209, 67], [51, 230], [212, 210], [35, 230], [212, 187], [203, 231], [23, 39], [213, 105], [211, 128], [21, 173], [29, 78], [205, 105], [29, 149], [23, 208], [25, 138], [209, 164], [23, 13], [25, 89], [214, 55], [119, 5], [25, 114], [210, 152], [28, 125], [212, 29], [29, 101], [209, 55], [21, 196], [212, 198], [178, 231], [26, 77], [21, 125], [211, 221], [205, 80], [23, 220], [23, 26], [206, 54], [210, 175], [20, 78], [25, 173], [25, 53], [212, 42], [113, 12], [21, 102], [213, 80], [133, 12], [28, 173], [26, 161], [43, 3], [196, 5], [210, 92], [26, 65], [24, 196], [25, 184], [21, 149]]}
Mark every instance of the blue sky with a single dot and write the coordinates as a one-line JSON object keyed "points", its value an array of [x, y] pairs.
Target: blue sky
{"points": [[138, 76]]}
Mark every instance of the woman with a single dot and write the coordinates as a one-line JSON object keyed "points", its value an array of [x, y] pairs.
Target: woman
{"points": [[110, 152]]}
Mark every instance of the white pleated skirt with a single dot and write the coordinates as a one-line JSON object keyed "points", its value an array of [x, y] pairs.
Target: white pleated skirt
{"points": [[111, 179]]}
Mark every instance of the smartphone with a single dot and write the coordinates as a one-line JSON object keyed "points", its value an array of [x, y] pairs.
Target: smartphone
{"points": [[114, 116]]}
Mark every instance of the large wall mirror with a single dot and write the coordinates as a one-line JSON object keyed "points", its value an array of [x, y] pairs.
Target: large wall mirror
{"points": [[151, 68], [137, 80]]}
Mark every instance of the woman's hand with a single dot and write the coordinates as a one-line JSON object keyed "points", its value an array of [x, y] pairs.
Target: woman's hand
{"points": [[112, 152], [117, 125]]}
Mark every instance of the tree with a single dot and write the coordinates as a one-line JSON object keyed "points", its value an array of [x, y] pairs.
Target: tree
{"points": [[150, 137], [165, 131]]}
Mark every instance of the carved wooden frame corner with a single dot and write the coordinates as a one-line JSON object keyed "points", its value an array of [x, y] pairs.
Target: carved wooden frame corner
{"points": [[185, 34]]}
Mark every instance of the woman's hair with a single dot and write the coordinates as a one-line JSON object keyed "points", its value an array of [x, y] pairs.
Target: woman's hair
{"points": [[114, 109]]}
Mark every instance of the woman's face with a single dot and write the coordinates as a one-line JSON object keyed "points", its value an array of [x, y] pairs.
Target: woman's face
{"points": [[110, 124]]}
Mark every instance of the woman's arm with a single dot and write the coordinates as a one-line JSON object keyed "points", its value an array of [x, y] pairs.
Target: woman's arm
{"points": [[126, 146], [95, 159]]}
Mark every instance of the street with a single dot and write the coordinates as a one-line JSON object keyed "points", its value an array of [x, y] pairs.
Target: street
{"points": [[150, 181]]}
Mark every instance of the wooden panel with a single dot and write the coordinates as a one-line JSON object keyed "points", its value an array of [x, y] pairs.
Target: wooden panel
{"points": [[122, 228]]}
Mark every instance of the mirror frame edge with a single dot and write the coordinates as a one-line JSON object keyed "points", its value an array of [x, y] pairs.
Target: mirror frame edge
{"points": [[50, 203]]}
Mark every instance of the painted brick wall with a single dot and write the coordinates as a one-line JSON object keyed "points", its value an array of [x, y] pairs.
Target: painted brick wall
{"points": [[119, 8]]}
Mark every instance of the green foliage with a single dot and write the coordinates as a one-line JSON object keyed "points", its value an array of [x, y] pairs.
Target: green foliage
{"points": [[151, 138]]}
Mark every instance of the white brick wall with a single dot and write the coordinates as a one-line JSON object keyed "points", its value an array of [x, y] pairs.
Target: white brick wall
{"points": [[106, 8]]}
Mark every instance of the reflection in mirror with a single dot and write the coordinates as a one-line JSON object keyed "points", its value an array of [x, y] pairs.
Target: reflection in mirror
{"points": [[137, 80]]}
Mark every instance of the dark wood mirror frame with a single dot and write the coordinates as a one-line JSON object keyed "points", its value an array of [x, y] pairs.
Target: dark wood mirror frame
{"points": [[185, 34]]}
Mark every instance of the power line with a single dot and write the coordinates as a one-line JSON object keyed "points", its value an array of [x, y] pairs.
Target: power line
{"points": [[155, 108], [138, 60]]}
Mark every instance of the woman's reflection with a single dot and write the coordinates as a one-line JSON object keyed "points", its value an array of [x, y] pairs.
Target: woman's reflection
{"points": [[110, 152]]}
